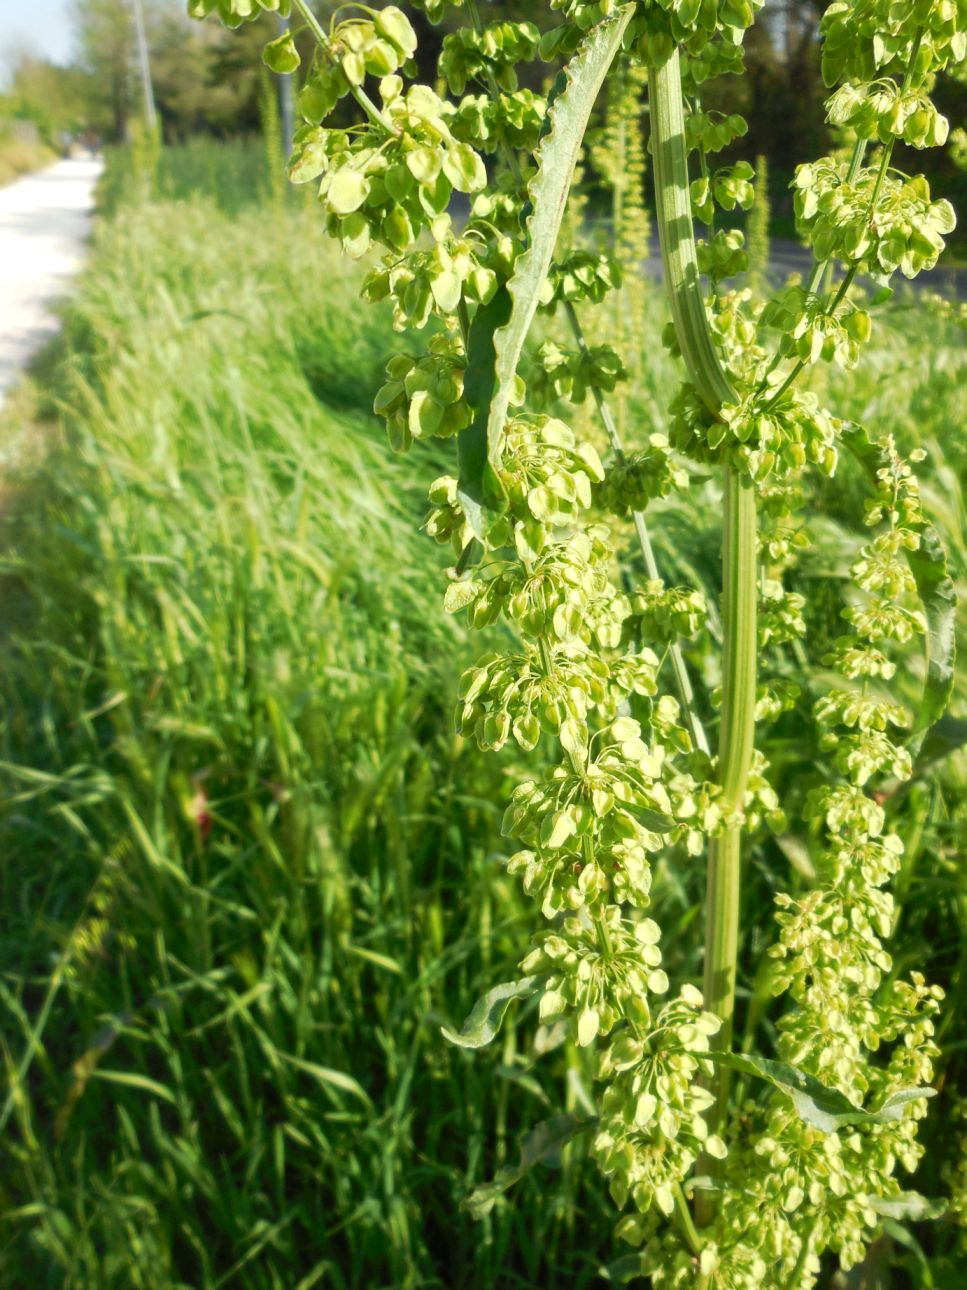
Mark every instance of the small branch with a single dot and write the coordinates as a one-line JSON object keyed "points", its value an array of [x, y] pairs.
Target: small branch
{"points": [[683, 681], [821, 266], [684, 1222], [358, 93]]}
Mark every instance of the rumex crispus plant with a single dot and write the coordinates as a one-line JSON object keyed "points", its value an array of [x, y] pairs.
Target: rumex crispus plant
{"points": [[716, 1187]]}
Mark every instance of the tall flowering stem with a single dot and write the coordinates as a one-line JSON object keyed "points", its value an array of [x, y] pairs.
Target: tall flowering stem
{"points": [[739, 554]]}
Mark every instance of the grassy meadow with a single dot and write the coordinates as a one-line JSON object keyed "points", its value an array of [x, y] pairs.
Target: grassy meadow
{"points": [[247, 868], [19, 157]]}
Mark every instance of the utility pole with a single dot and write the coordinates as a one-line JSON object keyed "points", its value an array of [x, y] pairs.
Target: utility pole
{"points": [[150, 113], [286, 107]]}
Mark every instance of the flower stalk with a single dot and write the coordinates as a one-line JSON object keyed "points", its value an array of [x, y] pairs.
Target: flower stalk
{"points": [[740, 592], [736, 745]]}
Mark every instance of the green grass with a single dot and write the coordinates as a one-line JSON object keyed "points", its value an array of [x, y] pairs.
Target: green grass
{"points": [[234, 174], [19, 158], [247, 870], [242, 848]]}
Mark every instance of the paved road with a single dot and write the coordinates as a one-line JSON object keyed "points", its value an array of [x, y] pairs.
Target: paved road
{"points": [[44, 223]]}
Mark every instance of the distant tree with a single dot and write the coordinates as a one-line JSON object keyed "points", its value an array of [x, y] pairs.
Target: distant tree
{"points": [[206, 79], [106, 45], [55, 98]]}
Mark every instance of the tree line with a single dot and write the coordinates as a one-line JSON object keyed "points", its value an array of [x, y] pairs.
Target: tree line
{"points": [[209, 80]]}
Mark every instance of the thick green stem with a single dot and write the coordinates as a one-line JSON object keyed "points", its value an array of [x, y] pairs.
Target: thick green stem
{"points": [[677, 236], [740, 591], [736, 746]]}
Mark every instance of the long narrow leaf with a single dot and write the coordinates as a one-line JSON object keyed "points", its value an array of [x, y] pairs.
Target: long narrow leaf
{"points": [[478, 486], [824, 1108], [556, 159], [938, 595], [543, 1143]]}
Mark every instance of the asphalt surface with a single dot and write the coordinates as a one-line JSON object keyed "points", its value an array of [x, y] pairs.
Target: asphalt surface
{"points": [[45, 220]]}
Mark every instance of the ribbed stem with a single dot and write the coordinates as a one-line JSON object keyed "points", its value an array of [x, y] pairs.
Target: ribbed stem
{"points": [[677, 236], [736, 745], [740, 591]]}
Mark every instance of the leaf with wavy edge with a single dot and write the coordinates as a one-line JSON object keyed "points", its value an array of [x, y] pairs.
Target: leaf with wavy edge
{"points": [[909, 1207], [545, 1141], [826, 1109], [556, 159], [488, 1013]]}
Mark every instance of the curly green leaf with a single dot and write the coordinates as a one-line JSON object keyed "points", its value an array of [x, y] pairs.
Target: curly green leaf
{"points": [[826, 1109], [488, 1013], [543, 1143]]}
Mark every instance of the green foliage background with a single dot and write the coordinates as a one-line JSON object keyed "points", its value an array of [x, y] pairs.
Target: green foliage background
{"points": [[247, 869]]}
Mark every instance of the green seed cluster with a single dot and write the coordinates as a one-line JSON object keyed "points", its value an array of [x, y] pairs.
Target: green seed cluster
{"points": [[234, 12], [602, 970], [436, 9], [652, 1122], [724, 255], [389, 190], [710, 132], [762, 435], [565, 594], [619, 156], [812, 333], [471, 55], [433, 283], [884, 111], [514, 118], [584, 828], [711, 30], [662, 614], [579, 277], [562, 374], [864, 40], [635, 479], [874, 225], [423, 397], [728, 187]]}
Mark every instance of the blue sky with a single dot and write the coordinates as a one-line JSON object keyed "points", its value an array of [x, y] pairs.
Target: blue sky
{"points": [[44, 26]]}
